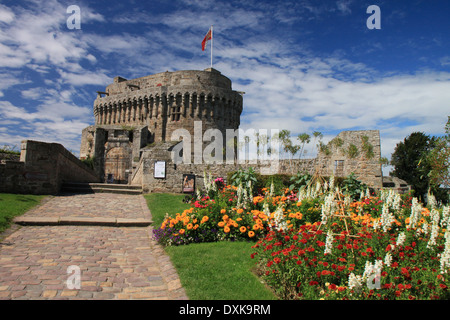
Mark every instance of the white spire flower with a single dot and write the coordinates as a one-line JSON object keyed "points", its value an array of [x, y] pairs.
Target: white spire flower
{"points": [[445, 256], [354, 282], [328, 242], [401, 239], [328, 207], [435, 215], [445, 221], [416, 211], [388, 259]]}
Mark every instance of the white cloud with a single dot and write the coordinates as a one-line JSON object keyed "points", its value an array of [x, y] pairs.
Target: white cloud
{"points": [[6, 15]]}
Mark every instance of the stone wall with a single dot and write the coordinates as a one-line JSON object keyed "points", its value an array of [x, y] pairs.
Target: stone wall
{"points": [[42, 169], [356, 152]]}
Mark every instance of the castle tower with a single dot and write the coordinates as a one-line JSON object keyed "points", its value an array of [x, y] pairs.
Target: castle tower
{"points": [[130, 114]]}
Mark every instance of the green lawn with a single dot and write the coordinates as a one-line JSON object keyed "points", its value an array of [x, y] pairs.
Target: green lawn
{"points": [[210, 271], [12, 205], [162, 203]]}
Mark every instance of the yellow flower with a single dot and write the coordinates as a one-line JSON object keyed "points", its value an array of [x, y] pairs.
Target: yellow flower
{"points": [[204, 219]]}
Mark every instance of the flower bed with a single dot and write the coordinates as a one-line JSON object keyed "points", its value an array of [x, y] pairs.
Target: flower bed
{"points": [[319, 244]]}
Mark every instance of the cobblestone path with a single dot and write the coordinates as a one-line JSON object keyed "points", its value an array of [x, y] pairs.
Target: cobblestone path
{"points": [[114, 262]]}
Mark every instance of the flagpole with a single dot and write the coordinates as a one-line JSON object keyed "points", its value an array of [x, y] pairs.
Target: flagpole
{"points": [[212, 39]]}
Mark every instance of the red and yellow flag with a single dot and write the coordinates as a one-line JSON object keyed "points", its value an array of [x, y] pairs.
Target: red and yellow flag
{"points": [[207, 37]]}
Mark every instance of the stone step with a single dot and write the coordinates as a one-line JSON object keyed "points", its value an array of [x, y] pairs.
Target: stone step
{"points": [[79, 187], [82, 221]]}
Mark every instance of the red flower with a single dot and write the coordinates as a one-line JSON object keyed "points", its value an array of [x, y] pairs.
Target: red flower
{"points": [[332, 286], [313, 283], [443, 286], [325, 272]]}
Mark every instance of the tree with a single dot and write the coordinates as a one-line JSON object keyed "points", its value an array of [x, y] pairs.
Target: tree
{"points": [[438, 158], [407, 163], [303, 138]]}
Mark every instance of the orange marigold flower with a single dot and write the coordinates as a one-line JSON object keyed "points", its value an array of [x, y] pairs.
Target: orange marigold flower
{"points": [[221, 224], [251, 234], [181, 231], [242, 229], [189, 226], [223, 211], [226, 229], [240, 211]]}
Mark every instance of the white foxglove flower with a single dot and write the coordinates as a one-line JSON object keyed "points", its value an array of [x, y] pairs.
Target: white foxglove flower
{"points": [[354, 282], [329, 242], [388, 259], [445, 221], [331, 185], [435, 215], [416, 211], [401, 239], [445, 256]]}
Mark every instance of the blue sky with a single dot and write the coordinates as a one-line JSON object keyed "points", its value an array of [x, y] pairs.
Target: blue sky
{"points": [[307, 65]]}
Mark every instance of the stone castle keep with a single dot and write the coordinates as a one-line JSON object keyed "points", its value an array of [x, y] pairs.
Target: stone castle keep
{"points": [[132, 114]]}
